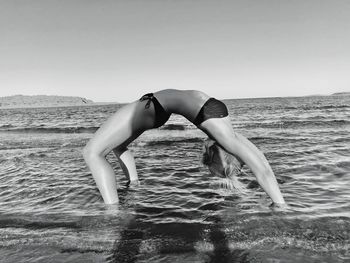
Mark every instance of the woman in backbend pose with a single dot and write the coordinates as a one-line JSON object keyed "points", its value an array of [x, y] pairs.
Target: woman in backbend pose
{"points": [[152, 111]]}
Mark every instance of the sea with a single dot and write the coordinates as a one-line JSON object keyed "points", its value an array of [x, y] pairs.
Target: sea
{"points": [[51, 210]]}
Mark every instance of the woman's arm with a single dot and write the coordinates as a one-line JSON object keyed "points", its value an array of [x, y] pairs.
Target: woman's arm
{"points": [[260, 167], [221, 131]]}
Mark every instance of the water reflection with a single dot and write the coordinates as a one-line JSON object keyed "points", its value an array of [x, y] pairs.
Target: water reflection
{"points": [[206, 241]]}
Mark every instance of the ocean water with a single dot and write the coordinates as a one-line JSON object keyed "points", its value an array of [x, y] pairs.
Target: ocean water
{"points": [[51, 211]]}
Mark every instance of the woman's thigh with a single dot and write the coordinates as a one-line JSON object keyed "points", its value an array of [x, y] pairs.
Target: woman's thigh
{"points": [[218, 129], [121, 128]]}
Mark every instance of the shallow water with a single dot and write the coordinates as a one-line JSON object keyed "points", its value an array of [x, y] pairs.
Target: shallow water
{"points": [[51, 211]]}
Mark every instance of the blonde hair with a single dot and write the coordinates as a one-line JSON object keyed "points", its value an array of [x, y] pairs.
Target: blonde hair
{"points": [[222, 164]]}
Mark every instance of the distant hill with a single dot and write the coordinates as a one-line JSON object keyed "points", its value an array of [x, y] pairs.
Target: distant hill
{"points": [[341, 94], [24, 101]]}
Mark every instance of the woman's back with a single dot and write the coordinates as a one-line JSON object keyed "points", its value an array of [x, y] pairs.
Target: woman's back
{"points": [[184, 102]]}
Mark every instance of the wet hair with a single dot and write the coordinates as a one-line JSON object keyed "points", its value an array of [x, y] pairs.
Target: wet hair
{"points": [[222, 164]]}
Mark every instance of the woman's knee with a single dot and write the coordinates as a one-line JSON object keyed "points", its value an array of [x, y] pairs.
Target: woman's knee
{"points": [[87, 153], [90, 152]]}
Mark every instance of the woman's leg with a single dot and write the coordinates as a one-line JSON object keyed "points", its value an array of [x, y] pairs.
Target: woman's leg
{"points": [[118, 131], [220, 129], [127, 163]]}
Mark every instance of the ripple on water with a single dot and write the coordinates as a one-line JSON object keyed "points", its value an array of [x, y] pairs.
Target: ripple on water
{"points": [[49, 201]]}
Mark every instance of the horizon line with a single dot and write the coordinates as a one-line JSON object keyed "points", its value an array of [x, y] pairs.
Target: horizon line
{"points": [[267, 97]]}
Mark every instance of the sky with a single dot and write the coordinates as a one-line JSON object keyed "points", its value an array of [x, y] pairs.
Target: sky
{"points": [[118, 50]]}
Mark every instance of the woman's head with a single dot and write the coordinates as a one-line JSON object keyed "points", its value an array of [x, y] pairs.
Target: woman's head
{"points": [[220, 162]]}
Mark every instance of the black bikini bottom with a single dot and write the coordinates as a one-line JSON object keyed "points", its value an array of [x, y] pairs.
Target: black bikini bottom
{"points": [[161, 114], [212, 108]]}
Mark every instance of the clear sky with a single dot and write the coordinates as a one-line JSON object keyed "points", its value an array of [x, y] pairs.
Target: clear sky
{"points": [[118, 50]]}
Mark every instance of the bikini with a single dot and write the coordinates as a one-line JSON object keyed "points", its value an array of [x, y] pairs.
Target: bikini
{"points": [[212, 108], [161, 114]]}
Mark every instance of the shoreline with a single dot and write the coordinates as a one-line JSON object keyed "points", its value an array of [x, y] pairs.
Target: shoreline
{"points": [[342, 94], [57, 106]]}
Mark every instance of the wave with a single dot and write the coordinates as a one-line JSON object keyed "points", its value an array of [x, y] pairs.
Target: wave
{"points": [[171, 127], [49, 130], [314, 123], [310, 122], [294, 124], [276, 139], [6, 126], [13, 129], [10, 221], [309, 107], [171, 142]]}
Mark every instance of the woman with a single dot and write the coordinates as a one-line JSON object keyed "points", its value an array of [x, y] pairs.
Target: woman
{"points": [[152, 111]]}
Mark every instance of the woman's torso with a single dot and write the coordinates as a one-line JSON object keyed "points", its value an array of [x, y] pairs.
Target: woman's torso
{"points": [[184, 102]]}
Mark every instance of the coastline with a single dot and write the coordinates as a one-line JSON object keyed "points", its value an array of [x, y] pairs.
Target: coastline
{"points": [[56, 105], [36, 101], [46, 101]]}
